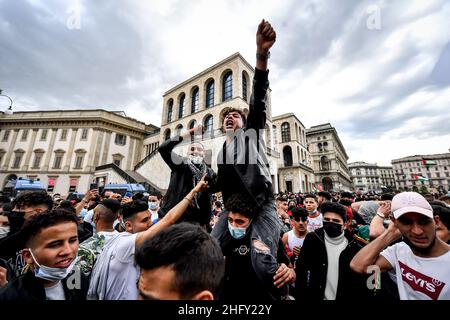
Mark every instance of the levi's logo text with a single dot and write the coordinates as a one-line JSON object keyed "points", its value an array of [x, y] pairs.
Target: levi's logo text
{"points": [[420, 282]]}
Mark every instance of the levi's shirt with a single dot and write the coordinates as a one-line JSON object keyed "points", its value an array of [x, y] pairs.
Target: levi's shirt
{"points": [[419, 278]]}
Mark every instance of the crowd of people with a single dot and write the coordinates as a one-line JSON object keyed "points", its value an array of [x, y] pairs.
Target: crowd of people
{"points": [[225, 235]]}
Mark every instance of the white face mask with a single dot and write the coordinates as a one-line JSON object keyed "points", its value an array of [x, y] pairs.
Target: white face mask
{"points": [[52, 274], [196, 159]]}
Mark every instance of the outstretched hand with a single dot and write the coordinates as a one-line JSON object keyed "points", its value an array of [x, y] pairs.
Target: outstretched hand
{"points": [[265, 36], [201, 185]]}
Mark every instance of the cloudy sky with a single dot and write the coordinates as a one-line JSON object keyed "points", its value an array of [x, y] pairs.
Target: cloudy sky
{"points": [[378, 71]]}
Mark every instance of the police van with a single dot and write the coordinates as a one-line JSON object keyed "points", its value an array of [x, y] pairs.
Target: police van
{"points": [[125, 189], [14, 187]]}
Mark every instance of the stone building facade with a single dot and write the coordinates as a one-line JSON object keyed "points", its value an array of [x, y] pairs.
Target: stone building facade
{"points": [[329, 158], [294, 165], [430, 172], [369, 177], [63, 148]]}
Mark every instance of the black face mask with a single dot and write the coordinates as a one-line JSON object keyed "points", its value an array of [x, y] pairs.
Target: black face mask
{"points": [[332, 229], [16, 220]]}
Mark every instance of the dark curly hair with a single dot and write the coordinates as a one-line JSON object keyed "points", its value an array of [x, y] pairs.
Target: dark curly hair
{"points": [[129, 210], [335, 208], [194, 256], [36, 223], [241, 204], [33, 199]]}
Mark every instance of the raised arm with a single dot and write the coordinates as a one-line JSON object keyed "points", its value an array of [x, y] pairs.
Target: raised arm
{"points": [[172, 159], [173, 215], [377, 224], [90, 195], [370, 254], [265, 38]]}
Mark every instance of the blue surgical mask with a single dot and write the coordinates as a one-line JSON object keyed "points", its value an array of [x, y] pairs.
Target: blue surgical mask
{"points": [[235, 232], [152, 205], [52, 274]]}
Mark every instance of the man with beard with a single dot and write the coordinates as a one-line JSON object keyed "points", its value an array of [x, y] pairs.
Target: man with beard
{"points": [[420, 262], [186, 172]]}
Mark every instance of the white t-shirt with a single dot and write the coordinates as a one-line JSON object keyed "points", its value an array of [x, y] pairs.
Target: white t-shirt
{"points": [[419, 278], [315, 223], [55, 292], [123, 273], [294, 241]]}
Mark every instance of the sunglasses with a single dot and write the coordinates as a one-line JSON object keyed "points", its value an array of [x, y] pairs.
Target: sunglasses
{"points": [[297, 219]]}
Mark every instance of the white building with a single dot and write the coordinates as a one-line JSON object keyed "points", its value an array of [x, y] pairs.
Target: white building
{"points": [[418, 172], [329, 158], [369, 177], [63, 148]]}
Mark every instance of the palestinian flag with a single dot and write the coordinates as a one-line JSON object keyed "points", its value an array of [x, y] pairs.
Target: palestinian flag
{"points": [[420, 178], [428, 162]]}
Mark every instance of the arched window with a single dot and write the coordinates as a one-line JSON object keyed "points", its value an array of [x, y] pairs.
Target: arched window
{"points": [[208, 124], [167, 135], [209, 102], [285, 132], [324, 163], [319, 145], [178, 129], [227, 86], [181, 106], [169, 111], [287, 156], [325, 146], [244, 86], [194, 101], [192, 124]]}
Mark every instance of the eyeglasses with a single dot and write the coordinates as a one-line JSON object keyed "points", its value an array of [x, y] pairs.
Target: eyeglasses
{"points": [[298, 219]]}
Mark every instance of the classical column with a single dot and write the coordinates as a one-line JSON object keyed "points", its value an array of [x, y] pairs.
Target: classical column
{"points": [[106, 148], [130, 154], [29, 150], [92, 148], [100, 137], [50, 151], [10, 150], [70, 151]]}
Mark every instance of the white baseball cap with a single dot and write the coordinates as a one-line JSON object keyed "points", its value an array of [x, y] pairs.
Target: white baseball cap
{"points": [[410, 202]]}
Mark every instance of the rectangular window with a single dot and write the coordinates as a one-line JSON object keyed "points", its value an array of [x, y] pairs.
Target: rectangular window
{"points": [[73, 184], [58, 160], [2, 154], [51, 184], [121, 139], [117, 162], [37, 160], [84, 134], [6, 136], [63, 135], [79, 162], [44, 134], [24, 135], [17, 160]]}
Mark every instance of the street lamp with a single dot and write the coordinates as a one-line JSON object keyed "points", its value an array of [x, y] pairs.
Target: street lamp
{"points": [[9, 110]]}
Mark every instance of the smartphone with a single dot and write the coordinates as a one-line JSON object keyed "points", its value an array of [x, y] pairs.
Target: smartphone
{"points": [[93, 186]]}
